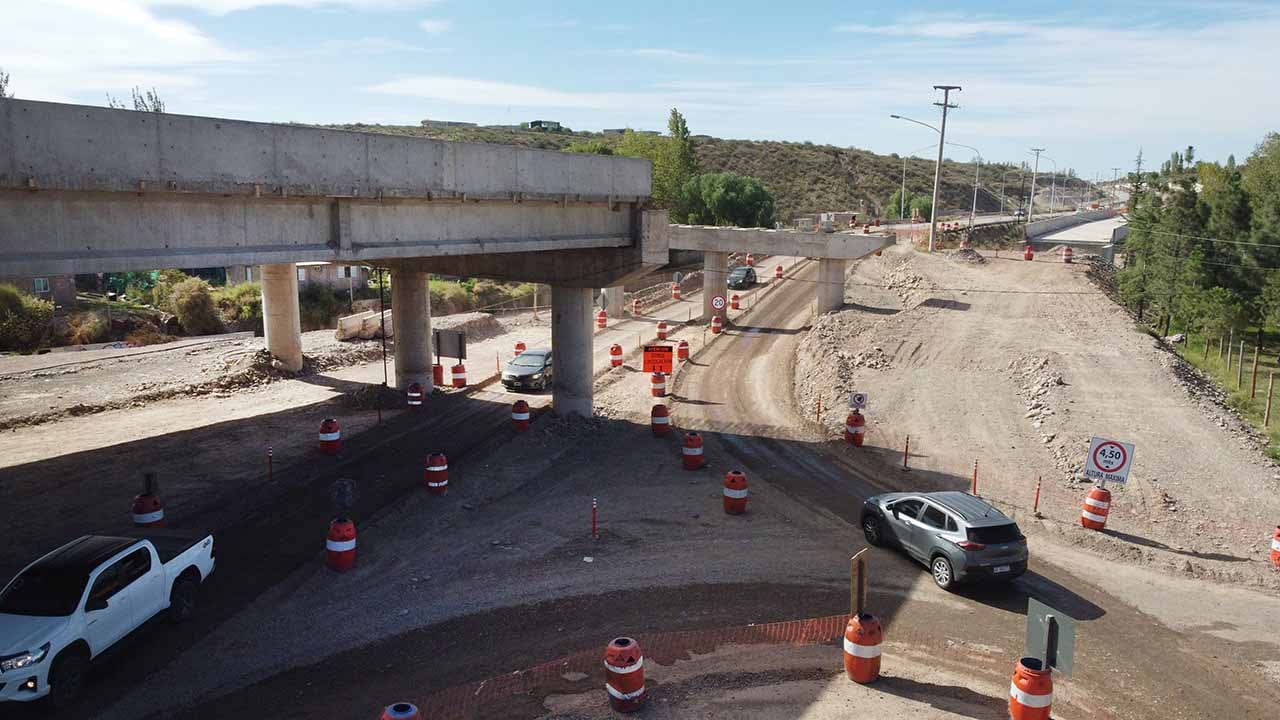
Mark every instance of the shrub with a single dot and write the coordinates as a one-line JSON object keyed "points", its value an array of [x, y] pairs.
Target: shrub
{"points": [[318, 305], [87, 328], [240, 305], [162, 290], [24, 320], [192, 301], [448, 297]]}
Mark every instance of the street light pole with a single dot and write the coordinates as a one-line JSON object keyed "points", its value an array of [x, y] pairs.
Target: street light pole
{"points": [[1053, 187], [937, 170], [1031, 206]]}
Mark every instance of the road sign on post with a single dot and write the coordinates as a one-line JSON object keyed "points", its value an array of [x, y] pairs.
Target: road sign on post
{"points": [[1051, 636], [657, 358], [717, 302], [451, 343], [1108, 461], [857, 400]]}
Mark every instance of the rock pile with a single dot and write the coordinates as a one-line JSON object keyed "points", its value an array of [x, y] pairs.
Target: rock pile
{"points": [[967, 255]]}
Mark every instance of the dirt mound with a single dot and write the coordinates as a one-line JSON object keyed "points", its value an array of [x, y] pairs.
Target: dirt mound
{"points": [[968, 255], [830, 363], [373, 397]]}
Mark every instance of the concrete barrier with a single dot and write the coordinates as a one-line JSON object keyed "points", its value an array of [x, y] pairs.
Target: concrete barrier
{"points": [[1040, 228]]}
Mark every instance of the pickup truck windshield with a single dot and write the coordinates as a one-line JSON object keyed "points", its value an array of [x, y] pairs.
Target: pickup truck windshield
{"points": [[45, 592]]}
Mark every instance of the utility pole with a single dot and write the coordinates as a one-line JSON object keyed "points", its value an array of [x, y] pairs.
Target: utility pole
{"points": [[1031, 207], [937, 170], [902, 198]]}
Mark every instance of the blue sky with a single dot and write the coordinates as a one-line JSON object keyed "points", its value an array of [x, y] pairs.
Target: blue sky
{"points": [[1091, 82]]}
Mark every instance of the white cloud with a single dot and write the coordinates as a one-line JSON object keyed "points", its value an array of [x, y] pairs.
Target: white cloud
{"points": [[224, 7], [943, 30], [436, 27], [666, 53], [467, 91]]}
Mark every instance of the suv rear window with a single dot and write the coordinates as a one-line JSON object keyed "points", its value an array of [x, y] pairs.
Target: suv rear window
{"points": [[994, 534]]}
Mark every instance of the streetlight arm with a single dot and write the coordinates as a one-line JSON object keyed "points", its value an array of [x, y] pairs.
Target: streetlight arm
{"points": [[903, 117]]}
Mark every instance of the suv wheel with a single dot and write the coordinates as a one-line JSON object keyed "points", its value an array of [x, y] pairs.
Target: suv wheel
{"points": [[871, 530], [67, 678], [941, 570]]}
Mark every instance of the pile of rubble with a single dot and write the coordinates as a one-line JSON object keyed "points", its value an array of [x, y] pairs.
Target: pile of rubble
{"points": [[907, 284], [1212, 399], [967, 255], [658, 294], [829, 362], [1041, 389]]}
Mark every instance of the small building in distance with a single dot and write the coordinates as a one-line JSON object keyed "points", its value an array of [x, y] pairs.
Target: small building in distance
{"points": [[58, 289], [336, 276], [549, 125]]}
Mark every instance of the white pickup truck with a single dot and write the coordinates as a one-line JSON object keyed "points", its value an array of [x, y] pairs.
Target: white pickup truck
{"points": [[69, 606]]}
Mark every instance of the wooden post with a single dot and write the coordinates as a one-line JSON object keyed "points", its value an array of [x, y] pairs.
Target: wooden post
{"points": [[1230, 342], [1271, 381], [1240, 367], [1253, 381], [1219, 349], [1206, 348], [858, 582]]}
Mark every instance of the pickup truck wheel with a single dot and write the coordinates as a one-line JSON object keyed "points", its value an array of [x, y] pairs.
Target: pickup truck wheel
{"points": [[67, 678], [182, 599]]}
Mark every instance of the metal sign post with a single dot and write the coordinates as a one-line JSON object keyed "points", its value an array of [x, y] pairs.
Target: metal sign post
{"points": [[1051, 636], [858, 582]]}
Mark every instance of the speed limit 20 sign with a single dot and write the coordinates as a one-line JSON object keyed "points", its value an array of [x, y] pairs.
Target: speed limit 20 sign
{"points": [[717, 302], [1108, 461]]}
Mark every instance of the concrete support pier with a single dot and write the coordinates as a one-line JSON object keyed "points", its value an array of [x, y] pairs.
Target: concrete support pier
{"points": [[830, 285], [411, 323], [715, 281], [571, 347], [614, 301], [281, 322]]}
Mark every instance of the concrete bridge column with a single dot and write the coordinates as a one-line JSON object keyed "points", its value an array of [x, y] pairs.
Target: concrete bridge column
{"points": [[613, 301], [715, 281], [571, 350], [281, 322], [411, 327], [830, 285]]}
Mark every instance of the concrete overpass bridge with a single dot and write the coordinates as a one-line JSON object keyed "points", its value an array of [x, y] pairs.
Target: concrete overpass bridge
{"points": [[86, 189]]}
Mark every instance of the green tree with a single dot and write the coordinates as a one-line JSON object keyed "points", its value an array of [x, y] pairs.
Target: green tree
{"points": [[895, 208], [591, 147], [24, 319], [727, 199], [921, 205], [193, 304], [686, 163], [660, 151]]}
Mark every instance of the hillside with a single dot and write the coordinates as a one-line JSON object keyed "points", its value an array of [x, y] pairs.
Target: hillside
{"points": [[803, 177]]}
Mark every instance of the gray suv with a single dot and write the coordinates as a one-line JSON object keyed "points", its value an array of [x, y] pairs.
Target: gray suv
{"points": [[957, 536]]}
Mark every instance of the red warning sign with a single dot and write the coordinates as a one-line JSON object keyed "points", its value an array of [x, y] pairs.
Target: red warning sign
{"points": [[658, 358]]}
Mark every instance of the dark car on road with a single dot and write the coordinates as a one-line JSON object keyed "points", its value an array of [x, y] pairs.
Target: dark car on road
{"points": [[959, 537], [742, 277], [530, 370]]}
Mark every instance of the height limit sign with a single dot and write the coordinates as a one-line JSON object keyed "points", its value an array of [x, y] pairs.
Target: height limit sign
{"points": [[1108, 461]]}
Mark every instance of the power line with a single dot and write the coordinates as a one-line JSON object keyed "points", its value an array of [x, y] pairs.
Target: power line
{"points": [[1149, 228]]}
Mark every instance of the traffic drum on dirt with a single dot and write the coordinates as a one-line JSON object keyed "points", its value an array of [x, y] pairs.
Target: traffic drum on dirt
{"points": [[1027, 254], [862, 639], [437, 375], [1067, 255], [777, 272], [675, 291], [682, 350], [734, 300], [401, 711], [1031, 692], [615, 355], [717, 324], [602, 319], [751, 260], [414, 395], [436, 475], [520, 415], [658, 385], [1275, 548], [662, 330], [330, 437], [735, 492], [624, 674], [659, 420], [148, 511], [340, 545], [855, 427], [1097, 504], [459, 373], [518, 348], [692, 451]]}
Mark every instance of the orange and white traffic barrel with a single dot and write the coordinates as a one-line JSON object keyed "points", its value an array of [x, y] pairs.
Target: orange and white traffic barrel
{"points": [[414, 395], [340, 544], [662, 329], [615, 355], [659, 420], [1067, 255], [520, 415], [777, 272], [635, 308], [602, 319], [692, 451], [862, 639], [1097, 504], [330, 437], [733, 302], [459, 373], [717, 324], [682, 350], [148, 511], [735, 492], [1031, 692], [624, 674], [658, 385], [1027, 254], [436, 475], [855, 427], [1275, 548], [518, 348], [675, 291], [751, 260], [401, 711], [437, 375]]}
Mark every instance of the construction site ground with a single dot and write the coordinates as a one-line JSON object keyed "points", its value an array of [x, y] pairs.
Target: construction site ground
{"points": [[452, 595]]}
